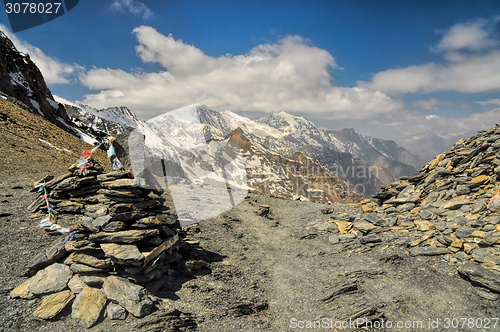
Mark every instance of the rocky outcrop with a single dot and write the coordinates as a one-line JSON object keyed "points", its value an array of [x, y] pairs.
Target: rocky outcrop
{"points": [[21, 80]]}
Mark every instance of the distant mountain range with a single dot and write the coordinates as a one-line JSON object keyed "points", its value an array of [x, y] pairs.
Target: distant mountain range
{"points": [[322, 161]]}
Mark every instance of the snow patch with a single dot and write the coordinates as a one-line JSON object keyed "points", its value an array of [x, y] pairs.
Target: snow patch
{"points": [[18, 79], [36, 105], [52, 103], [50, 144]]}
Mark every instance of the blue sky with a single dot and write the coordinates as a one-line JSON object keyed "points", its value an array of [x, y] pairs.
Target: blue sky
{"points": [[390, 69]]}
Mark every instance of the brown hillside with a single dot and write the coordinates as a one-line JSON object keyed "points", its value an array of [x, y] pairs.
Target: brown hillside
{"points": [[22, 153]]}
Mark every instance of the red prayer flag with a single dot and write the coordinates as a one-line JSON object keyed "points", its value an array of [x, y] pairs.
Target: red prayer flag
{"points": [[86, 153]]}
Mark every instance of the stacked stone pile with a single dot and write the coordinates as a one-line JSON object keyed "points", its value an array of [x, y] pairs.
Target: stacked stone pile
{"points": [[119, 245], [450, 208]]}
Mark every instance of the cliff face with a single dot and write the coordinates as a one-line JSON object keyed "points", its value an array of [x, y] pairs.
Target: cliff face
{"points": [[20, 79]]}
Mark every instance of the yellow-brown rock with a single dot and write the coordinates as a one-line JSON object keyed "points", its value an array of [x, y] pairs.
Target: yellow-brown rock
{"points": [[53, 304], [479, 179], [88, 306], [344, 226], [22, 291], [478, 234]]}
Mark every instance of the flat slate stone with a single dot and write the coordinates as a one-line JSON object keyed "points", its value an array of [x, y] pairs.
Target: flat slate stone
{"points": [[480, 275], [101, 221], [370, 239], [364, 226], [403, 200], [132, 297], [123, 254], [120, 183], [130, 236], [455, 203], [111, 176], [155, 221], [90, 260], [167, 245], [374, 219], [486, 255], [115, 226], [88, 306], [53, 304], [82, 268], [54, 253], [52, 279], [464, 232], [428, 251]]}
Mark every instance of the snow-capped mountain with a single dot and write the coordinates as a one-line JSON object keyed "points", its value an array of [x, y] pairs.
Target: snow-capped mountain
{"points": [[97, 124], [365, 162]]}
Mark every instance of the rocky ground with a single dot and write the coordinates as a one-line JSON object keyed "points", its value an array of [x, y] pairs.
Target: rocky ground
{"points": [[269, 261]]}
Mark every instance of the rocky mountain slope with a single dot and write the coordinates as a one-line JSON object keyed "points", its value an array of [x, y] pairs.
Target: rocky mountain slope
{"points": [[22, 82], [29, 144]]}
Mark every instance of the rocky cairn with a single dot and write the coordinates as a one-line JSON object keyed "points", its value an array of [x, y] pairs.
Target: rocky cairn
{"points": [[119, 246]]}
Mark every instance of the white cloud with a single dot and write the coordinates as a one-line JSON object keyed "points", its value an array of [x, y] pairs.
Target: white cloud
{"points": [[470, 65], [491, 101], [430, 104], [53, 70], [135, 7], [290, 75], [468, 36]]}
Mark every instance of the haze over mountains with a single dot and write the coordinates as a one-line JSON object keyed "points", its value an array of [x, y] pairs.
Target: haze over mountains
{"points": [[280, 141]]}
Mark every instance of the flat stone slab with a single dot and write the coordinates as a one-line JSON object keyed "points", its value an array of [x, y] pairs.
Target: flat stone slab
{"points": [[480, 275], [123, 254], [111, 176], [167, 245], [88, 306], [89, 260], [428, 251], [403, 200], [52, 279], [155, 221], [120, 183], [132, 297], [22, 291], [130, 236], [455, 203], [53, 304], [486, 255], [52, 254]]}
